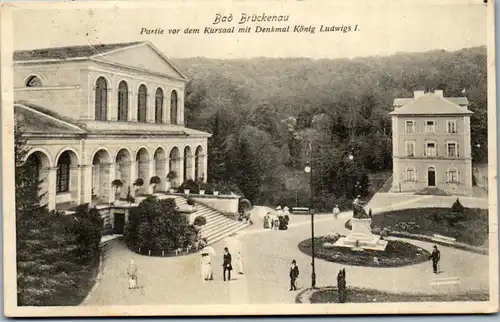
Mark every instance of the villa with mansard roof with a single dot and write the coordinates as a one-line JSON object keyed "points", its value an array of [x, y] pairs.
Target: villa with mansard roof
{"points": [[93, 114], [431, 143]]}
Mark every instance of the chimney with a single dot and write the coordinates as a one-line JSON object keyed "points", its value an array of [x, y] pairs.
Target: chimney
{"points": [[418, 94], [438, 93]]}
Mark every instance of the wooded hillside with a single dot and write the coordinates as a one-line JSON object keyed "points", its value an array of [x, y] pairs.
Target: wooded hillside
{"points": [[262, 113]]}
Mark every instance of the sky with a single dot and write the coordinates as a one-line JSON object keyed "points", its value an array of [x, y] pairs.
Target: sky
{"points": [[382, 28]]}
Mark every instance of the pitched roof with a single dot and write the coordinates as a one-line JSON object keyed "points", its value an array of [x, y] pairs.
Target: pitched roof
{"points": [[35, 122], [430, 104], [38, 120], [69, 52], [456, 100]]}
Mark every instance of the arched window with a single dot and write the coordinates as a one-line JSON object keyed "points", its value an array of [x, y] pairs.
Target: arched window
{"points": [[34, 81], [159, 106], [141, 103], [63, 168], [101, 99], [122, 101], [173, 107]]}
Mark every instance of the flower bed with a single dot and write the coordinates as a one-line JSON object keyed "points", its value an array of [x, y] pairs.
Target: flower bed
{"points": [[362, 295], [469, 227], [396, 254]]}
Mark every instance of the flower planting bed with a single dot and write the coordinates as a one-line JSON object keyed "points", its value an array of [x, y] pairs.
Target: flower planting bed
{"points": [[361, 295], [469, 227], [396, 254]]}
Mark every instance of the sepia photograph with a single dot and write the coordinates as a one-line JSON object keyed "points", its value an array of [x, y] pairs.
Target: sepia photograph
{"points": [[249, 158]]}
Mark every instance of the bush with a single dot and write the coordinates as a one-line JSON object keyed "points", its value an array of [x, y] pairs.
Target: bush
{"points": [[200, 221], [57, 256], [457, 207], [139, 182], [156, 226], [244, 205], [190, 201], [87, 227], [191, 185], [207, 187], [117, 183], [155, 180]]}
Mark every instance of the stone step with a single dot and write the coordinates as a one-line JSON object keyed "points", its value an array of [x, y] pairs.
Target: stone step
{"points": [[227, 232], [219, 225], [217, 221], [222, 226]]}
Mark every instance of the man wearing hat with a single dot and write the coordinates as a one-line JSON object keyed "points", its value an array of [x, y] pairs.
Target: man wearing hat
{"points": [[435, 257], [294, 274]]}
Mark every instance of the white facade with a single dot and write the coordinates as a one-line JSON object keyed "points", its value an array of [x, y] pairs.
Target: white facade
{"points": [[94, 118]]}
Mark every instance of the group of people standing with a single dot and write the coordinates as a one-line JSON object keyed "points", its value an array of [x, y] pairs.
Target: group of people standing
{"points": [[227, 266], [279, 220]]}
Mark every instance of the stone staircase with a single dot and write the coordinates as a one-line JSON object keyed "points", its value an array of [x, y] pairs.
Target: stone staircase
{"points": [[217, 227]]}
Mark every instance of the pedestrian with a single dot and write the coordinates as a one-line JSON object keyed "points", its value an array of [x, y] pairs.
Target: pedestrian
{"points": [[132, 275], [206, 265], [226, 264], [267, 221], [294, 274], [435, 257], [286, 214], [336, 211], [239, 261]]}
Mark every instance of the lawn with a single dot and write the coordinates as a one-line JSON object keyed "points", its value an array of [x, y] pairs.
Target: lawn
{"points": [[469, 227], [396, 254], [360, 295]]}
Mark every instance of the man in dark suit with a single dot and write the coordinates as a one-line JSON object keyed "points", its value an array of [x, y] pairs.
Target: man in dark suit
{"points": [[226, 264], [294, 274], [435, 257]]}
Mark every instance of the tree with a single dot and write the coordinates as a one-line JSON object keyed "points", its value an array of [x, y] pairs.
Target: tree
{"points": [[156, 226], [28, 196]]}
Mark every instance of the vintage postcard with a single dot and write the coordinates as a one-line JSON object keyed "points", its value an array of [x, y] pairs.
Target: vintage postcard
{"points": [[249, 158]]}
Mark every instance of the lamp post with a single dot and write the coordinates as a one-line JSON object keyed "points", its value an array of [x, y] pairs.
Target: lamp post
{"points": [[308, 169]]}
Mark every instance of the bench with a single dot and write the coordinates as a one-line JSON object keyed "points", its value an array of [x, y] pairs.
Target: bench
{"points": [[300, 210], [443, 239]]}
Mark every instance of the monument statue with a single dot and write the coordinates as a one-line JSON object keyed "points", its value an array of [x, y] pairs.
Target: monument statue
{"points": [[357, 208]]}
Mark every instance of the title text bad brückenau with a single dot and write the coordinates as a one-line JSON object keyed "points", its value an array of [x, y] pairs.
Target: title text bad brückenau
{"points": [[245, 18]]}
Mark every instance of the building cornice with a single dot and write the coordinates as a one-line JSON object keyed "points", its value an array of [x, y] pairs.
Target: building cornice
{"points": [[140, 70]]}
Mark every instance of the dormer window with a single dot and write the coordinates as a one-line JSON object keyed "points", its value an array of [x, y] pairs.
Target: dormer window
{"points": [[34, 81]]}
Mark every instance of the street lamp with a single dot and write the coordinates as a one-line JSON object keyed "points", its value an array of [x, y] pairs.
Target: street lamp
{"points": [[308, 169]]}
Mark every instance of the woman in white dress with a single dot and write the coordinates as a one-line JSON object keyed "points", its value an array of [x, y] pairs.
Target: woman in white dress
{"points": [[239, 262], [206, 263], [132, 275]]}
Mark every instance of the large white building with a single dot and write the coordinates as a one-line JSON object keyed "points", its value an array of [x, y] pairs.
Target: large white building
{"points": [[93, 114], [431, 143]]}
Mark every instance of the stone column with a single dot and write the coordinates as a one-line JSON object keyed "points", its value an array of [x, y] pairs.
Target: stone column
{"points": [[150, 171], [193, 167], [180, 108], [180, 168], [133, 176], [166, 107], [85, 188], [150, 107], [113, 100], [132, 103], [51, 187], [205, 166], [108, 179]]}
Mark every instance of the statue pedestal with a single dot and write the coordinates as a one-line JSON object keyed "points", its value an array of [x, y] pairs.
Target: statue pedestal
{"points": [[361, 236]]}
